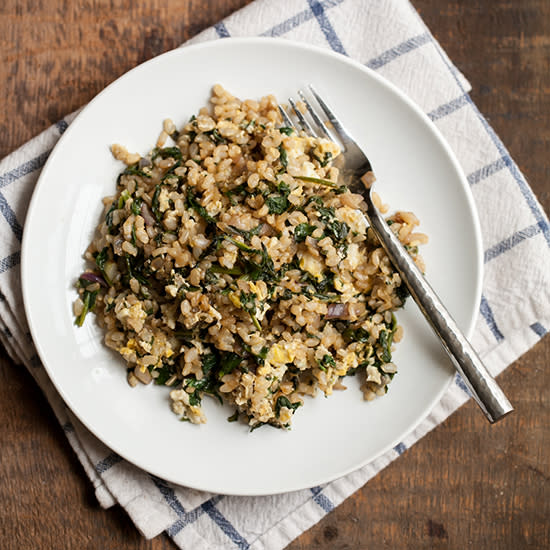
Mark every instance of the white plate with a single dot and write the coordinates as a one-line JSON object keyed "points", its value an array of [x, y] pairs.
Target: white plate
{"points": [[330, 437]]}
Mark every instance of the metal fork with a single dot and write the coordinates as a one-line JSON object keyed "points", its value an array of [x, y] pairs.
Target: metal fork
{"points": [[482, 385]]}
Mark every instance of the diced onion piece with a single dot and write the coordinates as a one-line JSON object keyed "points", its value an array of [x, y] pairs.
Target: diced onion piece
{"points": [[337, 311], [93, 277], [146, 214]]}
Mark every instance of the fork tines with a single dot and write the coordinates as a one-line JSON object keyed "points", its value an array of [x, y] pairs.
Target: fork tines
{"points": [[317, 127], [320, 124]]}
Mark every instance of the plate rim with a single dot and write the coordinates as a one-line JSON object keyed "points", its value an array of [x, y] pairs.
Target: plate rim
{"points": [[251, 41]]}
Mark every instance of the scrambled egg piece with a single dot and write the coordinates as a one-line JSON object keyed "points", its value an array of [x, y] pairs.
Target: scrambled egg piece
{"points": [[348, 362], [325, 146], [280, 355], [129, 348], [235, 300], [346, 289], [312, 265]]}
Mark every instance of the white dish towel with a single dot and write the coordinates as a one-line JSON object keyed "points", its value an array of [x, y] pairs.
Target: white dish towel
{"points": [[389, 37]]}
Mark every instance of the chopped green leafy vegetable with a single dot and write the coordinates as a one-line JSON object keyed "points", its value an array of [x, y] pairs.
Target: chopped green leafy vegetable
{"points": [[229, 361], [326, 361], [283, 401], [337, 230], [277, 204], [248, 303], [320, 181], [195, 399], [356, 334], [326, 213], [385, 340], [263, 354], [247, 235], [216, 137], [235, 191], [234, 417], [402, 292], [134, 170], [136, 206], [209, 362], [244, 247], [88, 299], [326, 158], [303, 230], [167, 152], [283, 157], [164, 374], [124, 196], [136, 268], [193, 203], [101, 260]]}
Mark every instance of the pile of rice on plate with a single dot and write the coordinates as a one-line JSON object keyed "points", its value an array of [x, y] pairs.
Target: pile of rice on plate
{"points": [[232, 262]]}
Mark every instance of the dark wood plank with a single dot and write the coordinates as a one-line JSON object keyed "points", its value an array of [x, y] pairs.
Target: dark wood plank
{"points": [[466, 484], [57, 55]]}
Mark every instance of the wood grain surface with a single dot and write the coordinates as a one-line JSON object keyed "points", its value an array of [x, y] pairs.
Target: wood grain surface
{"points": [[466, 484]]}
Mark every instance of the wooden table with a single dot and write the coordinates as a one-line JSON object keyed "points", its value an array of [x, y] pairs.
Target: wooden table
{"points": [[466, 484]]}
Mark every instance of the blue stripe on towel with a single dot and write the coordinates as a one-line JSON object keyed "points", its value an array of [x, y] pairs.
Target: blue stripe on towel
{"points": [[208, 507], [32, 164], [462, 385], [326, 26], [298, 19], [184, 520], [321, 499], [486, 171], [61, 125], [399, 50], [487, 314], [448, 108], [515, 239], [225, 525], [9, 215], [538, 329], [107, 463], [400, 448], [169, 495], [24, 169], [10, 261], [68, 428], [221, 29]]}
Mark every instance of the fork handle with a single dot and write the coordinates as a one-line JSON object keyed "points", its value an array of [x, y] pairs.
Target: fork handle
{"points": [[483, 386]]}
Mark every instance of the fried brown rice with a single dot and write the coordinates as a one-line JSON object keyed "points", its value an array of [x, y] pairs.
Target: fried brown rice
{"points": [[233, 262]]}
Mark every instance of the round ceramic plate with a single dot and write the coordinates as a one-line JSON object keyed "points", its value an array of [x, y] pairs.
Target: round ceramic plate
{"points": [[330, 437]]}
